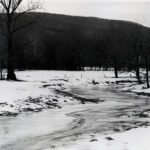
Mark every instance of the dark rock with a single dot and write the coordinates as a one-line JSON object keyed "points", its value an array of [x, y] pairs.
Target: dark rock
{"points": [[117, 130], [128, 128], [46, 85], [109, 138], [55, 100], [93, 140], [28, 109], [94, 82], [143, 115], [48, 103], [9, 114], [3, 104]]}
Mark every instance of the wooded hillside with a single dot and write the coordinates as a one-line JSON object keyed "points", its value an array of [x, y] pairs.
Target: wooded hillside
{"points": [[70, 42]]}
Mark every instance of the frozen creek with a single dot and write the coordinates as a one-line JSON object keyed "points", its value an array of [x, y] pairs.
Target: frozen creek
{"points": [[59, 127]]}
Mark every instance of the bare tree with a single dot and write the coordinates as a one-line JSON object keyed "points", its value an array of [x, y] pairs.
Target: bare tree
{"points": [[145, 46], [2, 55], [115, 48], [1, 64], [139, 42], [12, 11], [135, 38]]}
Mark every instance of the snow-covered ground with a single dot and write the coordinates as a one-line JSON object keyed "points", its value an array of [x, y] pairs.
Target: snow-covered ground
{"points": [[36, 92], [138, 89], [135, 139]]}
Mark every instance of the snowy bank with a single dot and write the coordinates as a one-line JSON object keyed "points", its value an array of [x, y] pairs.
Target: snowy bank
{"points": [[139, 89], [36, 90], [135, 139]]}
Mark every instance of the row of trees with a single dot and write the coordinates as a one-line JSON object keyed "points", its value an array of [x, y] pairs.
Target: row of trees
{"points": [[119, 48], [48, 41]]}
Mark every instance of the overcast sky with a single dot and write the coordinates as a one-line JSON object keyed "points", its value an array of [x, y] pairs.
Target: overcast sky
{"points": [[133, 10]]}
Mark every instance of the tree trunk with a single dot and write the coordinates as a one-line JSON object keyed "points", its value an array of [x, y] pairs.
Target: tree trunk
{"points": [[10, 67], [138, 70], [1, 72], [138, 75], [147, 74], [116, 71], [116, 67]]}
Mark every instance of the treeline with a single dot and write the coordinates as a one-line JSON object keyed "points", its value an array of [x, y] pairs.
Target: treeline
{"points": [[63, 42]]}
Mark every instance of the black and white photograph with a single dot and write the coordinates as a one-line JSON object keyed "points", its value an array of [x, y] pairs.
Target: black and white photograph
{"points": [[74, 74]]}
